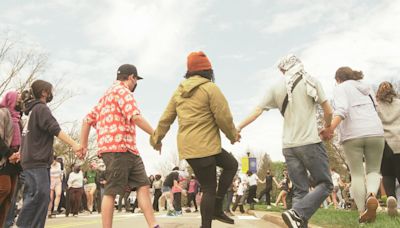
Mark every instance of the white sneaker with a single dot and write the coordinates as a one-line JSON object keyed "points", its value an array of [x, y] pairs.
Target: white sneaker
{"points": [[256, 200], [292, 220]]}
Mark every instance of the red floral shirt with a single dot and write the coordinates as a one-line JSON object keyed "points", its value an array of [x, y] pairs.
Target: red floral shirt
{"points": [[112, 119]]}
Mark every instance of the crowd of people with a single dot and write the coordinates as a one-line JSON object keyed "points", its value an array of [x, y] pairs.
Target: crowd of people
{"points": [[368, 127]]}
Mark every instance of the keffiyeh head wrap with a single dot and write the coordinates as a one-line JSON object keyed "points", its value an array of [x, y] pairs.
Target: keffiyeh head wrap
{"points": [[293, 68]]}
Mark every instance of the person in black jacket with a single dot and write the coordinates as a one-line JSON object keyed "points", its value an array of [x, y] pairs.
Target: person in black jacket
{"points": [[37, 154]]}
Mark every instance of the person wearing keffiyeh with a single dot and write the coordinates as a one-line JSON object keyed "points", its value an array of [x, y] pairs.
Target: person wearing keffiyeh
{"points": [[294, 68], [302, 146]]}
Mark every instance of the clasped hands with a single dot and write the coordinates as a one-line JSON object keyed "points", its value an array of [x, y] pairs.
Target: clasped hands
{"points": [[326, 133]]}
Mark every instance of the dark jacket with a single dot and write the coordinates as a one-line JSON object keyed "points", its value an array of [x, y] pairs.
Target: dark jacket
{"points": [[38, 136]]}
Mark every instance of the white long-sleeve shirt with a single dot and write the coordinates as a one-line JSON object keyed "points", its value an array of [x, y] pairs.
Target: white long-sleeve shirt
{"points": [[75, 180], [352, 103]]}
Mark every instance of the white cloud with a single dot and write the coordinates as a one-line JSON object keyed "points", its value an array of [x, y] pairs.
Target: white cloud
{"points": [[152, 33], [367, 44], [370, 44]]}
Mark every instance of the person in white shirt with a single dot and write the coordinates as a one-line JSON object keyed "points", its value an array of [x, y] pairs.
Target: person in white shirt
{"points": [[361, 134], [75, 188], [336, 193], [241, 188], [55, 186], [253, 179]]}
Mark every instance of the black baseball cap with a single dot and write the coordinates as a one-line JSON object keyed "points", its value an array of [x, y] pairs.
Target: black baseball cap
{"points": [[128, 69]]}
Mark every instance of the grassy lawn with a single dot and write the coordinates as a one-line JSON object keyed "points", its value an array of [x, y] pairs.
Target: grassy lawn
{"points": [[343, 218]]}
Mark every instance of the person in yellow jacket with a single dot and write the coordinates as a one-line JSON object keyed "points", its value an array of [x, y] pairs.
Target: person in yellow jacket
{"points": [[202, 112]]}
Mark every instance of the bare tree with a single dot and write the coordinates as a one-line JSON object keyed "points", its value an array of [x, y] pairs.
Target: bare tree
{"points": [[19, 65], [169, 161]]}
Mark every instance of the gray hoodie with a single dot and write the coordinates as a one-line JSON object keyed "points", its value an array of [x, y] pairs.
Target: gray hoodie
{"points": [[390, 116], [351, 101]]}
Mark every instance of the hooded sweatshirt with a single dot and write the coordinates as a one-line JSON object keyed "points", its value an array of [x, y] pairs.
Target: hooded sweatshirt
{"points": [[202, 112], [38, 136], [351, 101], [390, 116]]}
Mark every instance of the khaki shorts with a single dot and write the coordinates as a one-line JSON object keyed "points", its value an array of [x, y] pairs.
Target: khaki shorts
{"points": [[90, 187], [123, 169]]}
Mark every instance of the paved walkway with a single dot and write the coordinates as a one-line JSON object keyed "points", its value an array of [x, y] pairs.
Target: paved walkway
{"points": [[187, 220]]}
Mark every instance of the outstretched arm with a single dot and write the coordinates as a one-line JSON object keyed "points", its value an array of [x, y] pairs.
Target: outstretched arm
{"points": [[164, 125], [253, 116], [327, 132], [85, 130], [276, 182], [142, 123], [68, 140], [220, 108]]}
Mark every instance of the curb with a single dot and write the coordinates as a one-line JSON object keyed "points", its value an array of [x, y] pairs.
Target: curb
{"points": [[275, 218]]}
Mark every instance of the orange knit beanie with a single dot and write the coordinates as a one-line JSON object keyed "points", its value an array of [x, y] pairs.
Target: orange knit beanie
{"points": [[198, 61]]}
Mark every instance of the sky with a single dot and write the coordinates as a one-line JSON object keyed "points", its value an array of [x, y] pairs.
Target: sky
{"points": [[86, 41]]}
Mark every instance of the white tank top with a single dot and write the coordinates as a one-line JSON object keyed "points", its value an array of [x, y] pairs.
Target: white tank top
{"points": [[55, 170]]}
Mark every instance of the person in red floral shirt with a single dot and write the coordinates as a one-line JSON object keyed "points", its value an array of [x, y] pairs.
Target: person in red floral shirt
{"points": [[115, 118]]}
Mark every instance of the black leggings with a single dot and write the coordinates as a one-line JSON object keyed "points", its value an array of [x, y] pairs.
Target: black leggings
{"points": [[267, 192], [390, 170], [205, 171], [157, 195], [192, 198], [178, 201]]}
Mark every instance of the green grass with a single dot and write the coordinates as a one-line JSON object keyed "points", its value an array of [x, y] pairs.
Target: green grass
{"points": [[332, 218]]}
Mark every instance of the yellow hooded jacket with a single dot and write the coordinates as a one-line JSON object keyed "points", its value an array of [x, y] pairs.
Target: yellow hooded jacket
{"points": [[202, 111]]}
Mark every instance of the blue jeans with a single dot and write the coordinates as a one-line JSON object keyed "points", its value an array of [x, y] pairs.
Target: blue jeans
{"points": [[36, 198], [311, 158]]}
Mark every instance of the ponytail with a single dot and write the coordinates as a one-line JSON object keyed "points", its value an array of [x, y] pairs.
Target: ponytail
{"points": [[346, 73]]}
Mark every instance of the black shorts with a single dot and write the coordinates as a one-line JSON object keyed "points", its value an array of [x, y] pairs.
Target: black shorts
{"points": [[123, 169]]}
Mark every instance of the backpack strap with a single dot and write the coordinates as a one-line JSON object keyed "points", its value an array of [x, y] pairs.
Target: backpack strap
{"points": [[373, 102], [286, 100]]}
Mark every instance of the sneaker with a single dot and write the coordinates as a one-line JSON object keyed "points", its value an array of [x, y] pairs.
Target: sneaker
{"points": [[178, 212], [391, 203], [256, 200], [222, 217], [171, 213], [292, 220], [268, 207], [370, 213]]}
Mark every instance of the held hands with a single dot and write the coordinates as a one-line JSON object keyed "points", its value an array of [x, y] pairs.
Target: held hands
{"points": [[15, 158], [158, 147], [80, 151], [326, 134], [238, 137], [153, 142]]}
